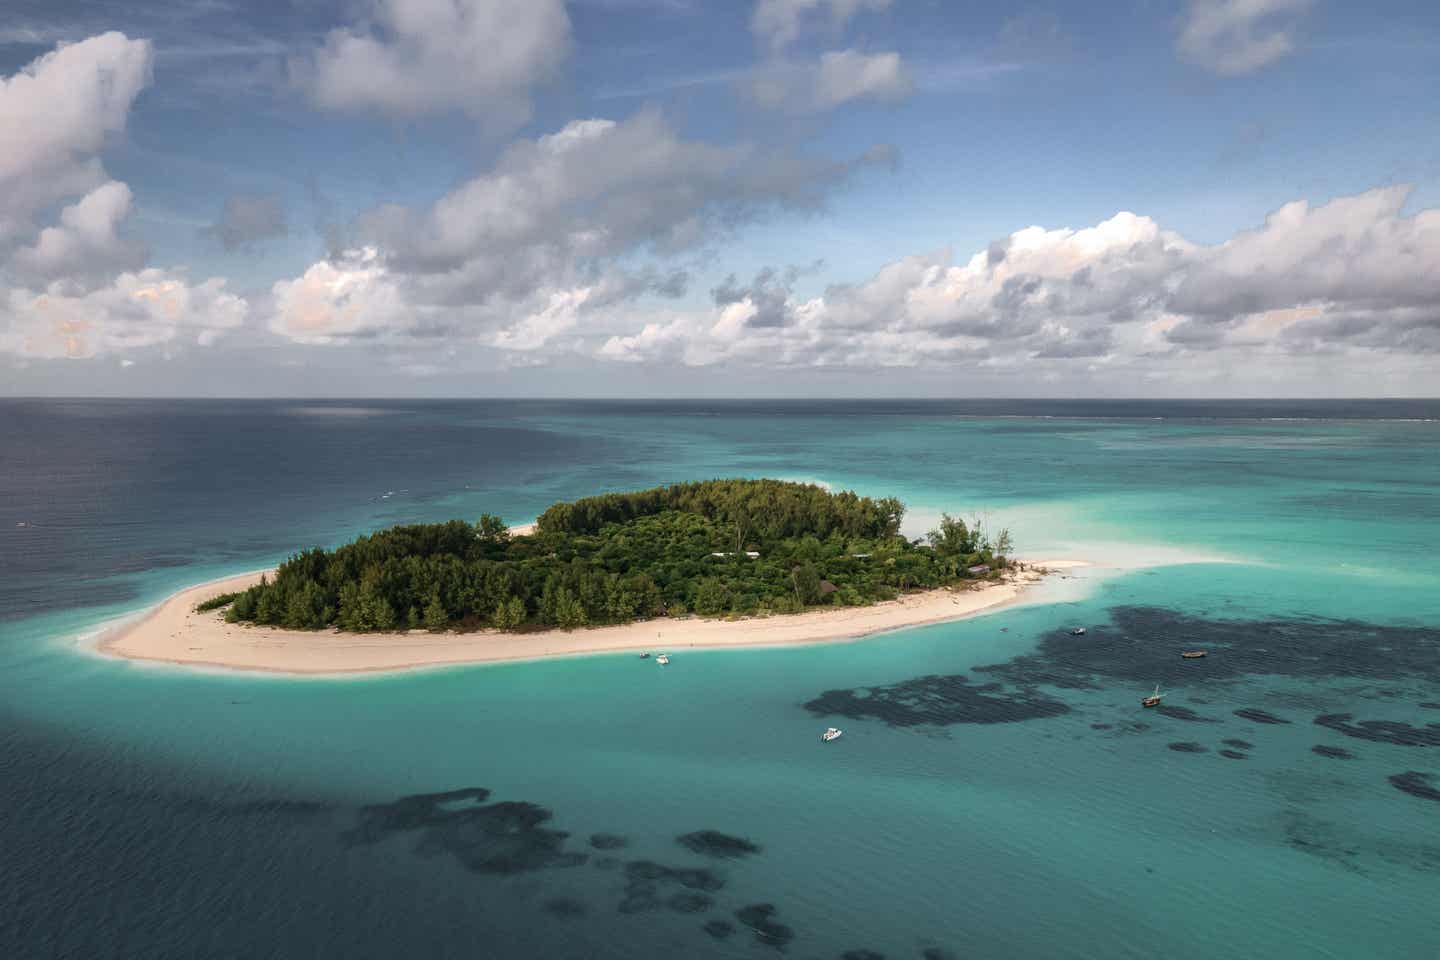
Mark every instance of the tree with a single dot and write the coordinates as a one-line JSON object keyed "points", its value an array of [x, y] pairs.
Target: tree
{"points": [[712, 597], [509, 614], [436, 618], [270, 607], [491, 529], [569, 612], [806, 581], [622, 556], [739, 512], [952, 538]]}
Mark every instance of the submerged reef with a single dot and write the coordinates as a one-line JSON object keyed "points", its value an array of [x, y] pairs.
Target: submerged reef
{"points": [[645, 878], [694, 878], [1382, 731], [1183, 713], [1139, 646], [508, 837], [1256, 715], [690, 903], [1334, 753], [760, 918], [939, 701], [719, 929], [1416, 784], [713, 843]]}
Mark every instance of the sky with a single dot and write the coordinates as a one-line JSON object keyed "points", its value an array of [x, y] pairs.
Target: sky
{"points": [[696, 198]]}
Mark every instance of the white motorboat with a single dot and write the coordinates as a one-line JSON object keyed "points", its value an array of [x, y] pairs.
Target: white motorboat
{"points": [[831, 733], [1078, 632], [663, 659]]}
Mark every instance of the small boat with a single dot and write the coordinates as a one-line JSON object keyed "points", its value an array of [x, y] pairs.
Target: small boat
{"points": [[1154, 699], [1194, 654], [644, 656], [663, 659], [1078, 632], [831, 733]]}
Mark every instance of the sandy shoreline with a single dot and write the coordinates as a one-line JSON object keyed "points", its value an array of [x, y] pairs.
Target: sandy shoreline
{"points": [[173, 632]]}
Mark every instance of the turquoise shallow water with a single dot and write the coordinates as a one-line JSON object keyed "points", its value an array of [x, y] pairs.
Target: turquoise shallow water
{"points": [[152, 811]]}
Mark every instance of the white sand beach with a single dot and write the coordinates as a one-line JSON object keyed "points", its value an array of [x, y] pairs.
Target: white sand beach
{"points": [[174, 632]]}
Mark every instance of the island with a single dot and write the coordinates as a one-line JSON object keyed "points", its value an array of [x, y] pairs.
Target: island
{"points": [[709, 563]]}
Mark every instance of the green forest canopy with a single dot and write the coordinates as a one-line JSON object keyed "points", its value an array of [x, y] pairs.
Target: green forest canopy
{"points": [[714, 548]]}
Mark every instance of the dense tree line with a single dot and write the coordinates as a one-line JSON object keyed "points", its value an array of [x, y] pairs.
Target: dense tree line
{"points": [[713, 548]]}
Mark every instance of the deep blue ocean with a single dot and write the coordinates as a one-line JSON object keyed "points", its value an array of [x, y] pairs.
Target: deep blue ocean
{"points": [[998, 793]]}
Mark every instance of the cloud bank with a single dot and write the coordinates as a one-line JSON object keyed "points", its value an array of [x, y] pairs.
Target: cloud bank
{"points": [[1352, 275], [566, 224], [78, 287]]}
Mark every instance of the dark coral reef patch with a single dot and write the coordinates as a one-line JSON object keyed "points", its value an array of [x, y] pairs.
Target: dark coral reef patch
{"points": [[719, 929], [1256, 715], [645, 878], [690, 903], [508, 837], [760, 918], [1139, 645], [1382, 731], [713, 843], [1183, 713], [939, 701], [1334, 753], [1416, 784]]}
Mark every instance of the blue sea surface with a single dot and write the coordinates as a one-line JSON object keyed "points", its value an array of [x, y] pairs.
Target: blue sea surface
{"points": [[998, 791]]}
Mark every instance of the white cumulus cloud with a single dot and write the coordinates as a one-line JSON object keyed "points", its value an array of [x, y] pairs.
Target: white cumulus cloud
{"points": [[562, 227], [86, 239], [415, 57], [57, 112], [1355, 275], [142, 309], [77, 287], [335, 300]]}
